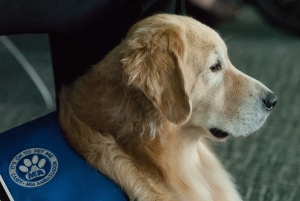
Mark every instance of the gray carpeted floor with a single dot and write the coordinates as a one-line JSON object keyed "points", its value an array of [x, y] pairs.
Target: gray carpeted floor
{"points": [[20, 100], [265, 165]]}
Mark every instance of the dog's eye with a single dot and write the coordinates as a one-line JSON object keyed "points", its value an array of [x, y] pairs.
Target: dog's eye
{"points": [[215, 67]]}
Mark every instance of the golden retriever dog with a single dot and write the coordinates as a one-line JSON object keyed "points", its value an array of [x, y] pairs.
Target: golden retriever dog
{"points": [[142, 115]]}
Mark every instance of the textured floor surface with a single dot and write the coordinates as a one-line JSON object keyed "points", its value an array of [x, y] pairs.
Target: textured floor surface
{"points": [[20, 100], [265, 166]]}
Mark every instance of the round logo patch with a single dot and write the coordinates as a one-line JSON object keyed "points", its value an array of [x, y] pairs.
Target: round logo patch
{"points": [[33, 167]]}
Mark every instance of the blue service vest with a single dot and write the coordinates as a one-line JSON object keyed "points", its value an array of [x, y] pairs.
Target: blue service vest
{"points": [[37, 164]]}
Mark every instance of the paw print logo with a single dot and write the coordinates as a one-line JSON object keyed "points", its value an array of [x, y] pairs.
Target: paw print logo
{"points": [[33, 168]]}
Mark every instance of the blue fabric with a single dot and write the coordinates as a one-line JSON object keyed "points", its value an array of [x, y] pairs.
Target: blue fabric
{"points": [[37, 164]]}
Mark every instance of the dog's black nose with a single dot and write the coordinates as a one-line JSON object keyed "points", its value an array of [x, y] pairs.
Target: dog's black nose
{"points": [[270, 101]]}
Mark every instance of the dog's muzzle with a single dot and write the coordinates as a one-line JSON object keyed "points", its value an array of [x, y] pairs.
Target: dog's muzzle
{"points": [[268, 103]]}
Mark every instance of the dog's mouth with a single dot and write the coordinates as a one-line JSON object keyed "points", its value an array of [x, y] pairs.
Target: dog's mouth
{"points": [[218, 133]]}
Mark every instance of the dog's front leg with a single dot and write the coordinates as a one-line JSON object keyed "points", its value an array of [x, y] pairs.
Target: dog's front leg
{"points": [[103, 153], [106, 155]]}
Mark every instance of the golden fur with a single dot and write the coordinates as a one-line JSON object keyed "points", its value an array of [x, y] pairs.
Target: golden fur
{"points": [[141, 115]]}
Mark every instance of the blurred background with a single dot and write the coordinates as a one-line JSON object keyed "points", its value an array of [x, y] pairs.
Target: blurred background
{"points": [[266, 165], [20, 99]]}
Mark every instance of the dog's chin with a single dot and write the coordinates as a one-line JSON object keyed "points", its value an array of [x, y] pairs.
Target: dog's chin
{"points": [[219, 134]]}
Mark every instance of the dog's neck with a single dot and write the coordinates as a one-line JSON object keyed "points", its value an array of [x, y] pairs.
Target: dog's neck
{"points": [[159, 147]]}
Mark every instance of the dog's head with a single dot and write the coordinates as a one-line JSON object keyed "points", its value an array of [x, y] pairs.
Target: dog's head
{"points": [[182, 66]]}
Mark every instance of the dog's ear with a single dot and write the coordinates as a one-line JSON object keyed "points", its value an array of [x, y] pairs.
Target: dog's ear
{"points": [[153, 61]]}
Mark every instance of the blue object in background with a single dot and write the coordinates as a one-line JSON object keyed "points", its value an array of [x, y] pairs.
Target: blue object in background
{"points": [[36, 163]]}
